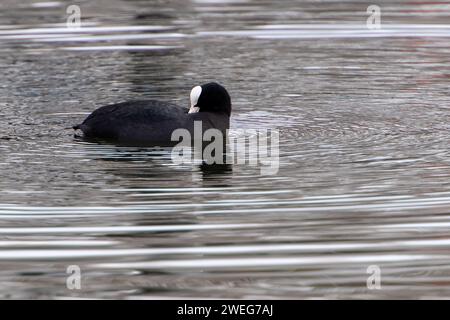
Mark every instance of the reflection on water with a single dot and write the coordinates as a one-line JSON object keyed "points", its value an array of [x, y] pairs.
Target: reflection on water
{"points": [[364, 159]]}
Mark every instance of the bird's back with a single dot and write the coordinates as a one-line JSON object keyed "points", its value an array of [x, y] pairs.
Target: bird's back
{"points": [[133, 120]]}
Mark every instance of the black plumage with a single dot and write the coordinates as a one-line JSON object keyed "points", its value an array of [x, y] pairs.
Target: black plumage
{"points": [[152, 122]]}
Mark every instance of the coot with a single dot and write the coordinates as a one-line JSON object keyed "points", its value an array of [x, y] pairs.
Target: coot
{"points": [[151, 122]]}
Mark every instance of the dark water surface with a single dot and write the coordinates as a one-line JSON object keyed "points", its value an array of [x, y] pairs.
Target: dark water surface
{"points": [[364, 151]]}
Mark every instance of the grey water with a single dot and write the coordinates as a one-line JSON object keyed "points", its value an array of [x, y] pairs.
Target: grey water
{"points": [[364, 122]]}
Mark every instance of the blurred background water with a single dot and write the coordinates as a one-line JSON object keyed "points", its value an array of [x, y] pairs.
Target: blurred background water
{"points": [[364, 158]]}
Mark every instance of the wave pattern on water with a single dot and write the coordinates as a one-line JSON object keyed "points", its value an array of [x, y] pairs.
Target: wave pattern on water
{"points": [[364, 158]]}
